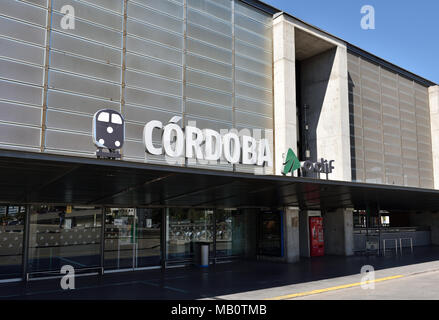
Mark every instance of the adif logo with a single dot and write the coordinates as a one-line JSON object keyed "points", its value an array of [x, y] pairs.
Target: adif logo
{"points": [[368, 20], [68, 21], [108, 129], [292, 163]]}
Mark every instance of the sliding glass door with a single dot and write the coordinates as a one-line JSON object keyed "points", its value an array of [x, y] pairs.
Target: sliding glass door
{"points": [[132, 238]]}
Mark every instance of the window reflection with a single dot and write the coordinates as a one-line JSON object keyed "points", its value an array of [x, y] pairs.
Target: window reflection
{"points": [[64, 236], [12, 219], [185, 227], [230, 240]]}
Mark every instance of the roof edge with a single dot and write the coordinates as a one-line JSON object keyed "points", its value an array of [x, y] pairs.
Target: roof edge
{"points": [[351, 47]]}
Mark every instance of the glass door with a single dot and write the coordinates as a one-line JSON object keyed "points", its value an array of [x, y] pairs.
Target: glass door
{"points": [[132, 238], [120, 238], [148, 244]]}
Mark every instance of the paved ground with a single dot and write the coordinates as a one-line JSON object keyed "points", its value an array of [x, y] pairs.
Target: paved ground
{"points": [[249, 280], [415, 287]]}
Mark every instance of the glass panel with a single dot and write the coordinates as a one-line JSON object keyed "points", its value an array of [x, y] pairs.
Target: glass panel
{"points": [[270, 234], [148, 250], [185, 227], [120, 235], [11, 241], [132, 238], [115, 118], [104, 117], [230, 236], [64, 236]]}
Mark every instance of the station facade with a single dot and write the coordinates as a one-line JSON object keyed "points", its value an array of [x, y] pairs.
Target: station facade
{"points": [[223, 106]]}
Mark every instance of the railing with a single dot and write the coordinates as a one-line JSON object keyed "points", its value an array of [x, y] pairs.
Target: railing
{"points": [[384, 245]]}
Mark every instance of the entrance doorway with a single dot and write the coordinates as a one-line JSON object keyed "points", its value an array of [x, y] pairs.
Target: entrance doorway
{"points": [[132, 238]]}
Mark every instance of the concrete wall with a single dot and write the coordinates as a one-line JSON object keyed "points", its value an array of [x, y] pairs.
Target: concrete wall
{"points": [[285, 114], [291, 235], [325, 86], [339, 232], [325, 91], [434, 119]]}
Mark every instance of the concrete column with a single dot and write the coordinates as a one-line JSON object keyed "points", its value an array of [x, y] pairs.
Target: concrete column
{"points": [[338, 229], [285, 114], [434, 119], [291, 235], [325, 91], [304, 231]]}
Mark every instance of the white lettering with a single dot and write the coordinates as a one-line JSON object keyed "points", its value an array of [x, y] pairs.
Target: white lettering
{"points": [[264, 155], [194, 143], [173, 134], [249, 150], [213, 145], [147, 137], [206, 145], [232, 148]]}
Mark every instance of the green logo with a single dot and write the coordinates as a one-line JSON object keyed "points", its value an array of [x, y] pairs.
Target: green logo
{"points": [[292, 163]]}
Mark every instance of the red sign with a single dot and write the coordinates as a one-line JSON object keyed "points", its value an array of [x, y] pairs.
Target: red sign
{"points": [[317, 242]]}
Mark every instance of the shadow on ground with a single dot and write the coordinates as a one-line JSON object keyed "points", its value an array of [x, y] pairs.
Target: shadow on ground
{"points": [[221, 279]]}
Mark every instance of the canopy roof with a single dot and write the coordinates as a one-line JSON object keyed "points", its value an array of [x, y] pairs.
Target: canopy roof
{"points": [[56, 179]]}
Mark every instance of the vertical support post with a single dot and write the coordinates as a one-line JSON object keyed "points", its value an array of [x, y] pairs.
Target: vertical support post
{"points": [[26, 237], [379, 224], [46, 75], [164, 245], [124, 63], [214, 235], [102, 240]]}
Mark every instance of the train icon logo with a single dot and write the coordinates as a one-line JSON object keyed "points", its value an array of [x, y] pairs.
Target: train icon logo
{"points": [[108, 132]]}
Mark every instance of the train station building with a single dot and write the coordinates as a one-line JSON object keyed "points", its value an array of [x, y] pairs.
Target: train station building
{"points": [[132, 131]]}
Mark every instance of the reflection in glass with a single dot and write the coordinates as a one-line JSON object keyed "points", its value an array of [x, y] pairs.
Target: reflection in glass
{"points": [[184, 228], [270, 234], [230, 240], [132, 238], [12, 220], [119, 238], [148, 249], [64, 236]]}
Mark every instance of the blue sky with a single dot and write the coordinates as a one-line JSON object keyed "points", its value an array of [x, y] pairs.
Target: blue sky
{"points": [[406, 34]]}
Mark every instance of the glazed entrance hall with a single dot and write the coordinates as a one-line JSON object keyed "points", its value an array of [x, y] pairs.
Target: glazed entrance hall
{"points": [[161, 134], [151, 218]]}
